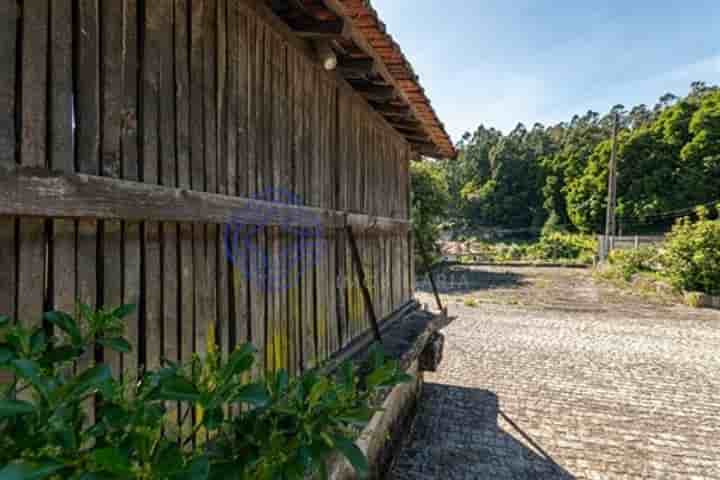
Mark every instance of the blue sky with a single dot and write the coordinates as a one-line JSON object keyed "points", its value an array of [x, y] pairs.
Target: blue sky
{"points": [[502, 62]]}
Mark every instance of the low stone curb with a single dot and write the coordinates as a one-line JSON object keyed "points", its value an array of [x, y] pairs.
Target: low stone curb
{"points": [[407, 341]]}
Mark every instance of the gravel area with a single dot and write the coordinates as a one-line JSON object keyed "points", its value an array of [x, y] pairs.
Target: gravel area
{"points": [[547, 374]]}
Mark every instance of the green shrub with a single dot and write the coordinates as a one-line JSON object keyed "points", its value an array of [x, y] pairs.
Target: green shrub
{"points": [[563, 246], [279, 428], [630, 262], [692, 256]]}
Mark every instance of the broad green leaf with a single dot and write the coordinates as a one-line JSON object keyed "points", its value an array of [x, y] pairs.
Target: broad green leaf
{"points": [[199, 469], [254, 394], [241, 360], [61, 354], [318, 390], [359, 416], [30, 371], [347, 374], [65, 323], [402, 378], [354, 455], [38, 340], [123, 311], [111, 460], [177, 388], [4, 321], [169, 461], [6, 354], [282, 379], [10, 408], [86, 311], [29, 471], [213, 418], [118, 344], [91, 379]]}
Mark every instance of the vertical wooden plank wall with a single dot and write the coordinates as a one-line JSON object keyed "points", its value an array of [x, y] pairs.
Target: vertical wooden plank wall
{"points": [[200, 95]]}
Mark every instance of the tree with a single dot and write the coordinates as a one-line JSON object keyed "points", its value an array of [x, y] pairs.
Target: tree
{"points": [[429, 204]]}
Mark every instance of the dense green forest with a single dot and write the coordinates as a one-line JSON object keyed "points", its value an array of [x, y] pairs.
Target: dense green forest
{"points": [[556, 176]]}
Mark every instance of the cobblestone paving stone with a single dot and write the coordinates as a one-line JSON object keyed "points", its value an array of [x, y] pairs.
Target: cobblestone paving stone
{"points": [[554, 377]]}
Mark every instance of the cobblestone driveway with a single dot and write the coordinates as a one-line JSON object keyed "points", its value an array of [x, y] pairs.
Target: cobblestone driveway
{"points": [[550, 376]]}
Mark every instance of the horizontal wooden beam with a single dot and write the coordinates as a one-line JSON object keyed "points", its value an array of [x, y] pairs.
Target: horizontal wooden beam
{"points": [[392, 110], [417, 138], [318, 29], [377, 93], [405, 123], [38, 193], [356, 67]]}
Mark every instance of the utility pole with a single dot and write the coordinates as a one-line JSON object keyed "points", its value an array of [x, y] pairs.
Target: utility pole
{"points": [[610, 221]]}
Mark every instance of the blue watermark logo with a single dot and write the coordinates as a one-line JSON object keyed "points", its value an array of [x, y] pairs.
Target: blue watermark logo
{"points": [[283, 264]]}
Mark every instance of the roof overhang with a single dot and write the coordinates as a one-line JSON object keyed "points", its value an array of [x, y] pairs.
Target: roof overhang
{"points": [[373, 64]]}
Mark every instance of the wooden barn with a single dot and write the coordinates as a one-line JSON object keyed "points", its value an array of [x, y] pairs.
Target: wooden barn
{"points": [[174, 153]]}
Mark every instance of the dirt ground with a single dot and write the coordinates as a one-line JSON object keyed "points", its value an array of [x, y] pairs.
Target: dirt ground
{"points": [[548, 374]]}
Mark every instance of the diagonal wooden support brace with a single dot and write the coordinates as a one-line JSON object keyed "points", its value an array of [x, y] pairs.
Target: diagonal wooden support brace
{"points": [[363, 283]]}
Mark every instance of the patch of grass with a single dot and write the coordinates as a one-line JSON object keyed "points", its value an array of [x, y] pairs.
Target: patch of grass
{"points": [[471, 302]]}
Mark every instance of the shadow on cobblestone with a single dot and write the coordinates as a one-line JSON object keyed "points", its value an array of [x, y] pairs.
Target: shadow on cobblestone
{"points": [[457, 435], [461, 280]]}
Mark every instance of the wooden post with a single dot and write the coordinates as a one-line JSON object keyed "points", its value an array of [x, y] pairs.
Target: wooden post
{"points": [[612, 192], [426, 261], [363, 284]]}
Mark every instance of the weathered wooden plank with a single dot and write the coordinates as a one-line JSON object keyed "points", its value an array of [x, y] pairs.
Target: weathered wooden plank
{"points": [[61, 154], [33, 152], [240, 268], [153, 285], [295, 86], [208, 296], [258, 304], [197, 135], [221, 110], [187, 287], [9, 13], [210, 95], [60, 134], [244, 173], [171, 292], [254, 105], [267, 114], [132, 281], [30, 280], [182, 92], [155, 19], [87, 134], [131, 231], [183, 97], [112, 33], [271, 253], [87, 287], [211, 293], [223, 294], [112, 281], [201, 284], [232, 98], [8, 259], [87, 80]]}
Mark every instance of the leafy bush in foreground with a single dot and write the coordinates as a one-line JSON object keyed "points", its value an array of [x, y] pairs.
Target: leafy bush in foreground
{"points": [[275, 428], [692, 256]]}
